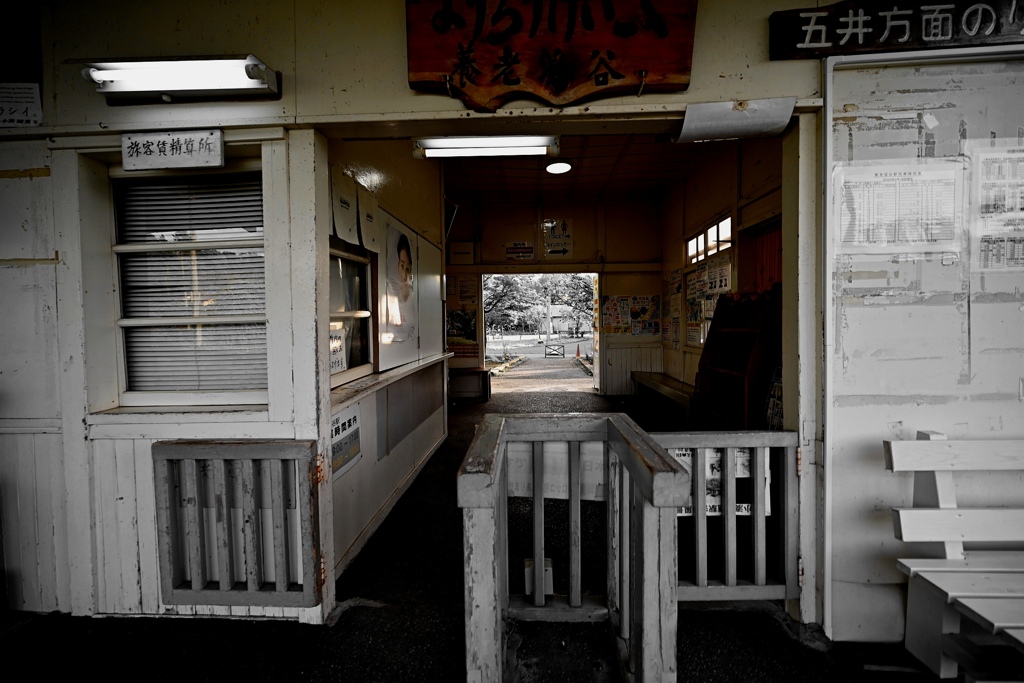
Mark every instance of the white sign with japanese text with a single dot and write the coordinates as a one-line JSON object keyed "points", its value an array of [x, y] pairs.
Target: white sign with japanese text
{"points": [[172, 149], [346, 448], [20, 105]]}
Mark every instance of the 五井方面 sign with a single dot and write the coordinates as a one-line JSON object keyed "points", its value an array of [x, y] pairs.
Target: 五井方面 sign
{"points": [[172, 149], [866, 26]]}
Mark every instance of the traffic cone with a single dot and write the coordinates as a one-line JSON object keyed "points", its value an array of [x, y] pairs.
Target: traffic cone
{"points": [[577, 350]]}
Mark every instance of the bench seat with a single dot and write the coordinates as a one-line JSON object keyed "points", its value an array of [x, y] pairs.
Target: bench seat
{"points": [[676, 390], [962, 583]]}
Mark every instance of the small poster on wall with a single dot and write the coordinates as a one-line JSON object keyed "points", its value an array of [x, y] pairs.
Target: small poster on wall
{"points": [[633, 315], [345, 445], [713, 481], [401, 291]]}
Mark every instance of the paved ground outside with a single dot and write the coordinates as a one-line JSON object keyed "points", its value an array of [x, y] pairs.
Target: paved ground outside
{"points": [[401, 613], [536, 345], [539, 374]]}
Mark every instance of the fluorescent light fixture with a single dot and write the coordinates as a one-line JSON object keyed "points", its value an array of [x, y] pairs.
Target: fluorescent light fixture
{"points": [[509, 145], [559, 167], [183, 78], [741, 119]]}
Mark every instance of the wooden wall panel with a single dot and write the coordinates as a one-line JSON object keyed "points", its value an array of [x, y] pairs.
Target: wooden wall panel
{"points": [[34, 522]]}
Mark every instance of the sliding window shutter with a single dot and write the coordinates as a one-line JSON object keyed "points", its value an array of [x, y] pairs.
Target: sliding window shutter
{"points": [[193, 288]]}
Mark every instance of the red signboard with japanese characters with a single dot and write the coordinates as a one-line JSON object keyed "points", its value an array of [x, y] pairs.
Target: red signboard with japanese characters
{"points": [[865, 26], [487, 52]]}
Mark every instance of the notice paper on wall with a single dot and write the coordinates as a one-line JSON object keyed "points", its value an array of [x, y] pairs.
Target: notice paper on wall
{"points": [[713, 481], [997, 206], [346, 448], [912, 205]]}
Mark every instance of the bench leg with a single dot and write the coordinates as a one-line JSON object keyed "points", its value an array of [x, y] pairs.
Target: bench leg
{"points": [[929, 616]]}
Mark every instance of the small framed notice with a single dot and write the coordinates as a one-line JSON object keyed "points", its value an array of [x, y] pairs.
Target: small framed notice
{"points": [[172, 149]]}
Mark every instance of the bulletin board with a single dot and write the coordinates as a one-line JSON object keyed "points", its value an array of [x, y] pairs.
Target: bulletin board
{"points": [[923, 291]]}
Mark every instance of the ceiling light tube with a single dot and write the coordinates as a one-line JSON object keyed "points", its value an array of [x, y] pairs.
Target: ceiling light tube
{"points": [[512, 145], [214, 77]]}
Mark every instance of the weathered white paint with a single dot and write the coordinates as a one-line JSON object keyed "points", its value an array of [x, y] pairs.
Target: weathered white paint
{"points": [[915, 341], [802, 341]]}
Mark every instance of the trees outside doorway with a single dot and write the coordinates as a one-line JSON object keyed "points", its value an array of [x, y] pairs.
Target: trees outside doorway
{"points": [[521, 311]]}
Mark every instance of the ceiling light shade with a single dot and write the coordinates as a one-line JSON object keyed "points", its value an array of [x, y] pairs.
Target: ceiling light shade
{"points": [[731, 120], [184, 78], [559, 167], [509, 145]]}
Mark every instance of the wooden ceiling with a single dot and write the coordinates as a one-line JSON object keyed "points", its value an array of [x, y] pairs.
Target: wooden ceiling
{"points": [[604, 166]]}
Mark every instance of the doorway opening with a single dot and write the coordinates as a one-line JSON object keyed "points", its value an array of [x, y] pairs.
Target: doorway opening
{"points": [[540, 331]]}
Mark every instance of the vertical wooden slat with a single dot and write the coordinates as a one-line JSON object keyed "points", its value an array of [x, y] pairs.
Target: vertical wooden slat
{"points": [[791, 523], [757, 515], [729, 513], [625, 539], [538, 523], [251, 528], [614, 534], [145, 504], [46, 523], [575, 551], [700, 515], [126, 517], [649, 585], [195, 533], [168, 540], [483, 613], [636, 577], [501, 543], [669, 579], [222, 513], [278, 513], [26, 493]]}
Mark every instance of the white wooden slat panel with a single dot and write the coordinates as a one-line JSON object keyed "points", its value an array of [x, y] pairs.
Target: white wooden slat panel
{"points": [[13, 523], [54, 447], [127, 527], [103, 524], [34, 522], [27, 501], [44, 524], [145, 506]]}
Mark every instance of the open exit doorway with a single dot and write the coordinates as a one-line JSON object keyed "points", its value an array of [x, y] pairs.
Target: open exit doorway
{"points": [[539, 331]]}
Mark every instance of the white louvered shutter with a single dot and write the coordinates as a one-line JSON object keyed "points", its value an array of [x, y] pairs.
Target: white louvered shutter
{"points": [[192, 280]]}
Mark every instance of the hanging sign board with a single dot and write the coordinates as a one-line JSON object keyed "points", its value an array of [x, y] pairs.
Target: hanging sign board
{"points": [[557, 238], [172, 149], [864, 26], [486, 52]]}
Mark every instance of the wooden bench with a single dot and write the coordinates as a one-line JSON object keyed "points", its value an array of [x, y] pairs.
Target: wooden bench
{"points": [[676, 390], [959, 582]]}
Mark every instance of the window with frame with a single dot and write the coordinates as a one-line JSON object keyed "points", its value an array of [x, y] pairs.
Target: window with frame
{"points": [[190, 263], [705, 280], [708, 243], [351, 323]]}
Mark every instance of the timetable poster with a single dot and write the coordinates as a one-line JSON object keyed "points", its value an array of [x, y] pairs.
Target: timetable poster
{"points": [[997, 218], [899, 207]]}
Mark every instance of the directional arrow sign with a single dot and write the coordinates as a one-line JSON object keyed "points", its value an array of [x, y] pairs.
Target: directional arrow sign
{"points": [[563, 251]]}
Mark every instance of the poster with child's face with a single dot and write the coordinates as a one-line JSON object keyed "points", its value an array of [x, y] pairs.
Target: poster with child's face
{"points": [[401, 286]]}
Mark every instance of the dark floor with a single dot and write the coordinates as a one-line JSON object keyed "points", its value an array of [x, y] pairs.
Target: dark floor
{"points": [[401, 614]]}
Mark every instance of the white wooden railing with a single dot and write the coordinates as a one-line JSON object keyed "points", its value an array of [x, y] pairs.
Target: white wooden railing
{"points": [[752, 539], [643, 488], [237, 522]]}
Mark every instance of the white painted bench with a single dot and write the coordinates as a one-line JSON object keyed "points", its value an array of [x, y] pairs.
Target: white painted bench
{"points": [[942, 589]]}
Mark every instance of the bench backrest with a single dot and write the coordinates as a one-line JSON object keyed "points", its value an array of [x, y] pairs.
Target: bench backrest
{"points": [[935, 516]]}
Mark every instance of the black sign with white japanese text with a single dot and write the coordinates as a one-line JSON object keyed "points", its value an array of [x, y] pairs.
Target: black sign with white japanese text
{"points": [[864, 26]]}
